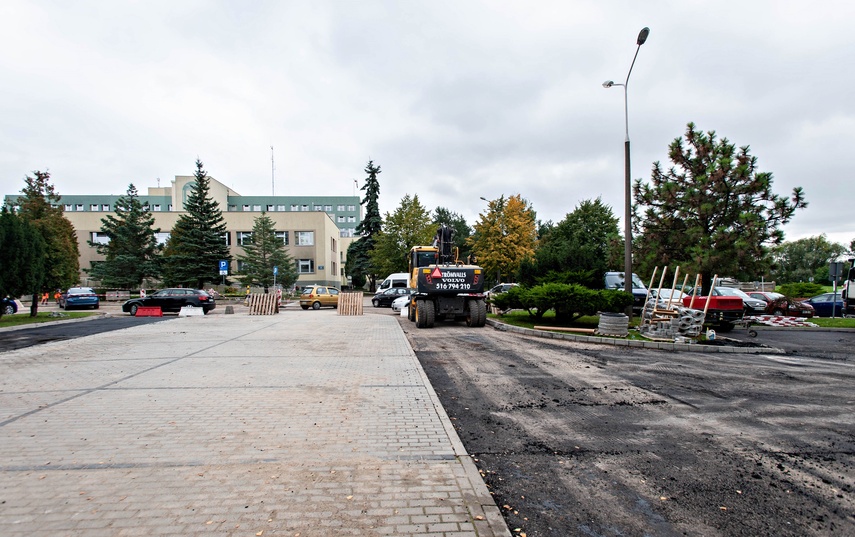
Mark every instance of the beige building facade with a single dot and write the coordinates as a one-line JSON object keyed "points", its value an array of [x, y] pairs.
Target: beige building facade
{"points": [[316, 230]]}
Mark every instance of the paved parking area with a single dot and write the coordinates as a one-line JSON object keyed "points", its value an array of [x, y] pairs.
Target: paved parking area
{"points": [[302, 423]]}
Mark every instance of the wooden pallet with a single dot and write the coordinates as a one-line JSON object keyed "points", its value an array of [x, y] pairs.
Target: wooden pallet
{"points": [[350, 303], [263, 304]]}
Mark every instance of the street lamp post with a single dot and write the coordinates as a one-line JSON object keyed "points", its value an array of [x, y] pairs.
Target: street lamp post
{"points": [[627, 261]]}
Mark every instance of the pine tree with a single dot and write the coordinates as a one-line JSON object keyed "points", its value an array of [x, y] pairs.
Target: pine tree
{"points": [[197, 242], [408, 226], [132, 253], [40, 206], [359, 265], [711, 212], [264, 250]]}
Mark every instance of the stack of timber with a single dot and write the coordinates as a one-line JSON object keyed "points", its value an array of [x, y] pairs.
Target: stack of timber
{"points": [[263, 304], [350, 303]]}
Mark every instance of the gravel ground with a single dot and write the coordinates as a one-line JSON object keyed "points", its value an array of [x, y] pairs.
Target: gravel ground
{"points": [[576, 439]]}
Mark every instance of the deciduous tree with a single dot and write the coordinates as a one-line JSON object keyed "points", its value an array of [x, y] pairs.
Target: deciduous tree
{"points": [[505, 236], [804, 259], [132, 252], [408, 226], [23, 266], [712, 211], [40, 206]]}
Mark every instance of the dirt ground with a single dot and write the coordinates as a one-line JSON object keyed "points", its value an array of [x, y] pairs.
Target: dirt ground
{"points": [[576, 439]]}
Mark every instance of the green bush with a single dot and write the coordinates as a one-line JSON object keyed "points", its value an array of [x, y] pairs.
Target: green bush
{"points": [[568, 301], [801, 289]]}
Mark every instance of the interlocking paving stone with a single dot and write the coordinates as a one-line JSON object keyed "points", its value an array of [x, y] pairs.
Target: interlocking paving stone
{"points": [[304, 423]]}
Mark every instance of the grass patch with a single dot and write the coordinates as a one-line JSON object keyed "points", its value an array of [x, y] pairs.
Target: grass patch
{"points": [[523, 319], [828, 322], [23, 318]]}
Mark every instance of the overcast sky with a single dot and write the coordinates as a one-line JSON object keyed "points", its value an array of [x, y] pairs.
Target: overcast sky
{"points": [[455, 100]]}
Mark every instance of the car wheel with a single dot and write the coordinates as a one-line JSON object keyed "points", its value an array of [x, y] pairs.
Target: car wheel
{"points": [[134, 309], [374, 302], [8, 310], [96, 306], [778, 312], [305, 307], [316, 305]]}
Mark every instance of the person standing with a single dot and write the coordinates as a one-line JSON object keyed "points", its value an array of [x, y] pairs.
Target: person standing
{"points": [[45, 296]]}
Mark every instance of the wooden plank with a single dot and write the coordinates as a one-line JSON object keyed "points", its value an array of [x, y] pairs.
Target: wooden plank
{"points": [[567, 329]]}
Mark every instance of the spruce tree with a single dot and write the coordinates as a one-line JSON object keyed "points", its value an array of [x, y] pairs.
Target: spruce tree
{"points": [[197, 242], [132, 253], [359, 265], [264, 250], [23, 256]]}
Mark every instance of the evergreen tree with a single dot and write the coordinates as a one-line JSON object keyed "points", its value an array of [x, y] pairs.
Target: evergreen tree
{"points": [[462, 230], [711, 212], [408, 226], [40, 206], [580, 248], [197, 241], [23, 256], [358, 264], [264, 250], [132, 253], [505, 236]]}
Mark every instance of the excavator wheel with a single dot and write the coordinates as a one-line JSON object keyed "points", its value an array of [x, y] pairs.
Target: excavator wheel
{"points": [[476, 313], [425, 314]]}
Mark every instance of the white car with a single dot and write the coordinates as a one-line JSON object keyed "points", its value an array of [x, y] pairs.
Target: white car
{"points": [[401, 302]]}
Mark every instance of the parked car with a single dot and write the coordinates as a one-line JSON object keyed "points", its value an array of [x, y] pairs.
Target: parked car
{"points": [[501, 288], [317, 296], [827, 304], [79, 297], [790, 307], [172, 300], [401, 302], [766, 296], [386, 297], [752, 306], [8, 306]]}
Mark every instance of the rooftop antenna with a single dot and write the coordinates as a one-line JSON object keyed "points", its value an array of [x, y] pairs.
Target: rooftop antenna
{"points": [[272, 174]]}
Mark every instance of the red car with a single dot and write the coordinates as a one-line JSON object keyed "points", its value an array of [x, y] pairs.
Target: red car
{"points": [[778, 304]]}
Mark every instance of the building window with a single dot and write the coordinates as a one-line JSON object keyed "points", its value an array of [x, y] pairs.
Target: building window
{"points": [[304, 207], [295, 208], [256, 208], [240, 265], [78, 207], [156, 207], [282, 235], [169, 207], [340, 208], [93, 207], [304, 238], [305, 266], [243, 237], [246, 207], [227, 237], [69, 207], [328, 208], [98, 237], [332, 244], [105, 207], [351, 207], [333, 270], [340, 218], [280, 208], [232, 208], [351, 219], [270, 208], [161, 238]]}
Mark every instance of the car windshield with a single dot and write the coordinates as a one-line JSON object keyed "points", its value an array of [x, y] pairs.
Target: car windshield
{"points": [[728, 291], [616, 281]]}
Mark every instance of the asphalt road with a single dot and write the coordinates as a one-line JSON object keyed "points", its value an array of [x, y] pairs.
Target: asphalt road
{"points": [[577, 439], [44, 333]]}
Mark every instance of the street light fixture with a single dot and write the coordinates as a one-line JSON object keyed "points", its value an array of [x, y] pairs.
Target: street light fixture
{"points": [[627, 262]]}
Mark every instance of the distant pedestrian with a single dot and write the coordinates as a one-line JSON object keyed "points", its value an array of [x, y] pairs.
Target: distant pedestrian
{"points": [[45, 297], [56, 296]]}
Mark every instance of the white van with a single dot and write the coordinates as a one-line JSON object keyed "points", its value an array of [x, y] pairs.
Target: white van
{"points": [[398, 279]]}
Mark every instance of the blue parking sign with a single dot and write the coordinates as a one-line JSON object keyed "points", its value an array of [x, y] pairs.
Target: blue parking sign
{"points": [[224, 266]]}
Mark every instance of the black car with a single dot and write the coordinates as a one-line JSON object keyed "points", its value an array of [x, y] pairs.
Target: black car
{"points": [[8, 306], [385, 298], [172, 300]]}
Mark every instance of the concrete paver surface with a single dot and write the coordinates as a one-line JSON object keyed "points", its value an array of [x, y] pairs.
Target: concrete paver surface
{"points": [[303, 423]]}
